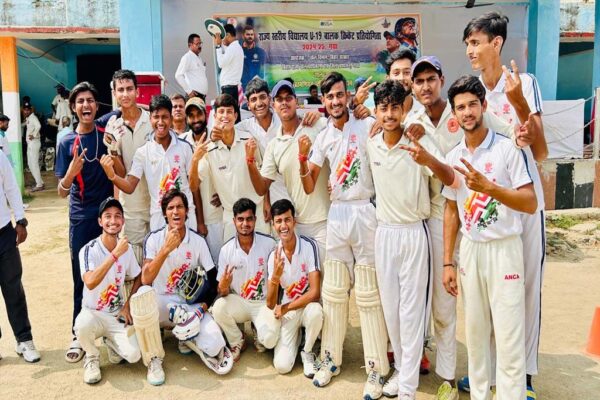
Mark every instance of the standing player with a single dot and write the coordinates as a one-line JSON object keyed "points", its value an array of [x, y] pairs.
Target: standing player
{"points": [[243, 283], [106, 262], [33, 139], [351, 225], [230, 59], [126, 131], [403, 243], [516, 98], [178, 265], [294, 270], [164, 161], [226, 162], [80, 176], [281, 157], [210, 217]]}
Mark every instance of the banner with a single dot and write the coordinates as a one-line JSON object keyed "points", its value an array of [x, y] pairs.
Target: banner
{"points": [[307, 47]]}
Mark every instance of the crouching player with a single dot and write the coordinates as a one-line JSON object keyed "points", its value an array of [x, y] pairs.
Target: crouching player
{"points": [[242, 277], [105, 264], [294, 266], [178, 265]]}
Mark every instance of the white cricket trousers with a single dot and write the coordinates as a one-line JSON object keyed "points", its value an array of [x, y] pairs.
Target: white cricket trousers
{"points": [[443, 306], [493, 289], [214, 239], [91, 325], [403, 265], [137, 226], [316, 231], [311, 319], [210, 340], [232, 309], [33, 160]]}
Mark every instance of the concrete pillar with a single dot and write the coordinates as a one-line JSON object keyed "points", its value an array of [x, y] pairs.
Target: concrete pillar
{"points": [[141, 35], [10, 100], [596, 76], [543, 44]]}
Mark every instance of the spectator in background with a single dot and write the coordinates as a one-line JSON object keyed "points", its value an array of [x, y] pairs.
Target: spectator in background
{"points": [[60, 105], [191, 72], [32, 136], [254, 57], [314, 95], [66, 123], [4, 145], [230, 58], [179, 123]]}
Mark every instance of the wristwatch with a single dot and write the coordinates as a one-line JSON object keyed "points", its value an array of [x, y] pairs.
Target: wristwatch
{"points": [[23, 222]]}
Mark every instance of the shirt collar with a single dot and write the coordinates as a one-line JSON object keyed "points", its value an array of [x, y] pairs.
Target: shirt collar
{"points": [[237, 243], [296, 250], [487, 143], [499, 88], [380, 143], [350, 121], [236, 139]]}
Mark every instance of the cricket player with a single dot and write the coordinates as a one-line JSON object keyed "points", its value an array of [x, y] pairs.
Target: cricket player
{"points": [[106, 262], [516, 98], [164, 162], [281, 157], [486, 200], [293, 270], [242, 286], [178, 265], [403, 242], [351, 224]]}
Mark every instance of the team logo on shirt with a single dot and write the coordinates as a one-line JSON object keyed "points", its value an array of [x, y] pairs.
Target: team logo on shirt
{"points": [[252, 289], [110, 299], [452, 125], [171, 180], [175, 276], [481, 210], [297, 289], [346, 173]]}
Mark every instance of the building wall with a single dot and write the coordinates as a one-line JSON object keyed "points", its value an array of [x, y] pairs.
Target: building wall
{"points": [[571, 184]]}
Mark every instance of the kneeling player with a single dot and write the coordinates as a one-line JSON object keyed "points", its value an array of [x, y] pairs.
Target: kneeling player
{"points": [[242, 276], [178, 265], [105, 263], [294, 266]]}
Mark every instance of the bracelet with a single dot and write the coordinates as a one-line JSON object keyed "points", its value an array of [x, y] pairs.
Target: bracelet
{"points": [[302, 158], [250, 160], [62, 187], [115, 258], [306, 174], [516, 143], [274, 282], [449, 265]]}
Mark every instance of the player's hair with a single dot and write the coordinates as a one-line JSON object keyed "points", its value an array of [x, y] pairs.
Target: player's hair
{"points": [[466, 84], [425, 66], [169, 196], [122, 75], [313, 86], [243, 205], [400, 54], [192, 37], [390, 92], [331, 79], [230, 29], [289, 79], [248, 28], [492, 24], [80, 88], [281, 207], [224, 100], [255, 86], [160, 101], [177, 96]]}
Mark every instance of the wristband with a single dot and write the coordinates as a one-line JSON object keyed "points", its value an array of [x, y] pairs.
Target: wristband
{"points": [[62, 187], [115, 258], [449, 265], [302, 158], [250, 160], [305, 175]]}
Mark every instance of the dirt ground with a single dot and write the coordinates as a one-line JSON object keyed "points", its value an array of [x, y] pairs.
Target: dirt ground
{"points": [[570, 295]]}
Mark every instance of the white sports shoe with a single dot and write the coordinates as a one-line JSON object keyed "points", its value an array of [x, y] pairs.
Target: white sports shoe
{"points": [[91, 369], [374, 386], [28, 351], [327, 370], [183, 348], [156, 374], [309, 362], [113, 356], [390, 389]]}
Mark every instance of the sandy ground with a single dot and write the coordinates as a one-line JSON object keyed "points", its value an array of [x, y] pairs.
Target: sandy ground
{"points": [[570, 296]]}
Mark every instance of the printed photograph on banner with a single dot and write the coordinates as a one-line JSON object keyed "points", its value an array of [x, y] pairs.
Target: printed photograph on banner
{"points": [[307, 47]]}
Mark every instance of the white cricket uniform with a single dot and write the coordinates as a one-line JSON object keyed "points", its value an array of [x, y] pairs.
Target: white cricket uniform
{"points": [[248, 291], [165, 170], [447, 134], [403, 250], [534, 226], [491, 267], [191, 73], [192, 252], [351, 222], [277, 191], [61, 105], [101, 305], [228, 172], [294, 283], [32, 137], [136, 206], [281, 159], [213, 216]]}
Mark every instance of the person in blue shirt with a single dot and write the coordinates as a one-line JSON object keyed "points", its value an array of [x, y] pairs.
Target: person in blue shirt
{"points": [[254, 57], [82, 179]]}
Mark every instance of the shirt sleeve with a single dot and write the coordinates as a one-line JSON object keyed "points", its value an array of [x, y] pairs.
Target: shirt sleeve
{"points": [[269, 167], [221, 264], [224, 56], [206, 259], [516, 164], [151, 246], [137, 166], [10, 188], [180, 73], [532, 93], [86, 261], [434, 150], [133, 268], [498, 124], [317, 153], [63, 158]]}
